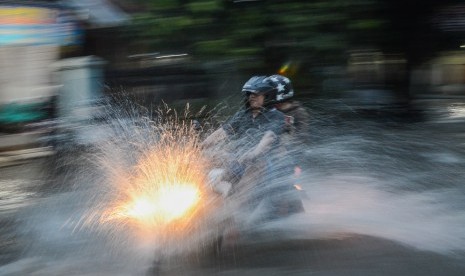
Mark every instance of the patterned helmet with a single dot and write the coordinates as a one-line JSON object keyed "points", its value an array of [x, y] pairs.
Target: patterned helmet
{"points": [[283, 88]]}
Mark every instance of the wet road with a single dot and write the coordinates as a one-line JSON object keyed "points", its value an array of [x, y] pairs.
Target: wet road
{"points": [[385, 199]]}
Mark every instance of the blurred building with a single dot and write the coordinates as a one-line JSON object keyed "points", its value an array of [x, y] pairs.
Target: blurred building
{"points": [[30, 40], [34, 35]]}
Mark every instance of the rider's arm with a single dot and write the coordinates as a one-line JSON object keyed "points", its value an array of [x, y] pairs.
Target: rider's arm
{"points": [[263, 146], [228, 128], [214, 138], [265, 143], [275, 127]]}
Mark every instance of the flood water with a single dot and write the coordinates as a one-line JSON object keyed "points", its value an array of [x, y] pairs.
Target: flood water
{"points": [[383, 198]]}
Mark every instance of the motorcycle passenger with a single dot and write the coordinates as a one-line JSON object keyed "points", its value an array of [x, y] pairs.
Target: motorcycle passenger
{"points": [[297, 117], [296, 135]]}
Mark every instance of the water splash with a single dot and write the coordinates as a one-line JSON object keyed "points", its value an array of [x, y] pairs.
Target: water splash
{"points": [[358, 184], [351, 204]]}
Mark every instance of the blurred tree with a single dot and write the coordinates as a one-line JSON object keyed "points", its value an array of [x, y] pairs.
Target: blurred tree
{"points": [[263, 36], [234, 28]]}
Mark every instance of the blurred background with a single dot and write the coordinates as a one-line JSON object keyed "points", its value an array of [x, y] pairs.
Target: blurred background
{"points": [[370, 56], [384, 81]]}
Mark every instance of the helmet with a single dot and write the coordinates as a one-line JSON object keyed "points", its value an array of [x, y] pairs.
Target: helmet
{"points": [[283, 88], [258, 85], [261, 85]]}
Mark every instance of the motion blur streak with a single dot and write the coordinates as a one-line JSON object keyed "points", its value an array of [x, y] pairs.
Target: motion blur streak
{"points": [[167, 186], [159, 197]]}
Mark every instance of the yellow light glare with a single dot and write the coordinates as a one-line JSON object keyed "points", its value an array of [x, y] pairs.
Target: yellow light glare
{"points": [[283, 69], [162, 192], [170, 202], [142, 208], [175, 201]]}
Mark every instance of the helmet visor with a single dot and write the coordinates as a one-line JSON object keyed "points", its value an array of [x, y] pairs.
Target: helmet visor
{"points": [[249, 92]]}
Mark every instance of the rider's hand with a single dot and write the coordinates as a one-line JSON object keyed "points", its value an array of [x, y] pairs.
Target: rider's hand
{"points": [[248, 157]]}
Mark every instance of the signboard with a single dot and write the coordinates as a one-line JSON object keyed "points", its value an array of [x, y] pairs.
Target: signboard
{"points": [[30, 25]]}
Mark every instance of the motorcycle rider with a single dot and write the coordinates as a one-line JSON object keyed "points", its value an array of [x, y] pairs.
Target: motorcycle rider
{"points": [[262, 162], [258, 125]]}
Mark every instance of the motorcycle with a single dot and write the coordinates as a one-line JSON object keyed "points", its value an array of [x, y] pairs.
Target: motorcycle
{"points": [[185, 200], [255, 194]]}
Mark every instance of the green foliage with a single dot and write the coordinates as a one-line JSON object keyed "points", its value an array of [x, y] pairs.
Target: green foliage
{"points": [[262, 30], [205, 6], [162, 5], [213, 47], [367, 24]]}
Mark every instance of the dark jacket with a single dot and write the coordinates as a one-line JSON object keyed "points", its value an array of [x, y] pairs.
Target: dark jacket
{"points": [[297, 122], [243, 121]]}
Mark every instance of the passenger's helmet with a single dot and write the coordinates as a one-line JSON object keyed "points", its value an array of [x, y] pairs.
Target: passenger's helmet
{"points": [[261, 85], [283, 88]]}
